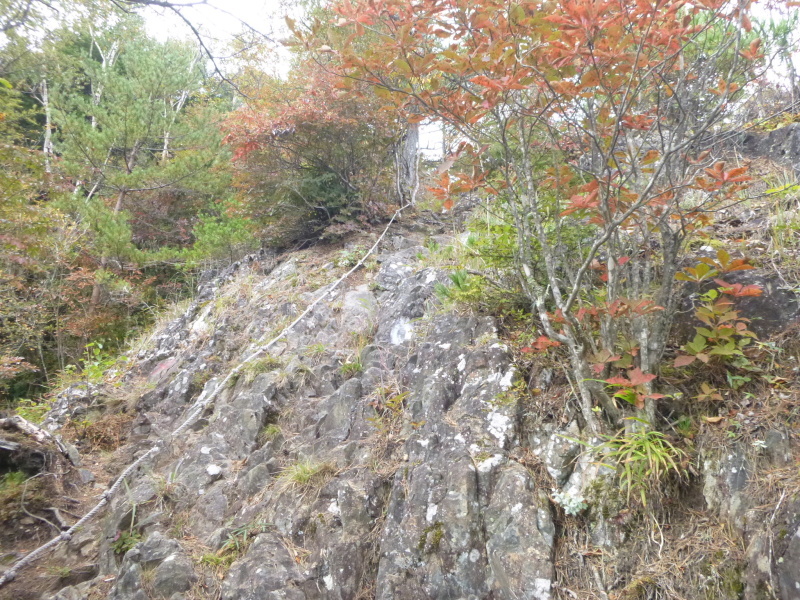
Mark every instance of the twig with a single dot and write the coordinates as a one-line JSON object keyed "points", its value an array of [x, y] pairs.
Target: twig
{"points": [[772, 539], [488, 279], [25, 510], [599, 581], [57, 514]]}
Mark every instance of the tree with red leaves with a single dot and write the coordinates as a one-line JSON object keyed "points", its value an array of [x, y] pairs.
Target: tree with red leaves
{"points": [[592, 124]]}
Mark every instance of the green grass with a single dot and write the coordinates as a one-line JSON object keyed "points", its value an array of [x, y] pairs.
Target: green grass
{"points": [[269, 433], [11, 488], [314, 351], [32, 410], [643, 458], [261, 365], [351, 368], [235, 546], [307, 473]]}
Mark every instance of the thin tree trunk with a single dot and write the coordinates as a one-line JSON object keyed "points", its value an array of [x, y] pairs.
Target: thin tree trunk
{"points": [[47, 145], [97, 288], [409, 152]]}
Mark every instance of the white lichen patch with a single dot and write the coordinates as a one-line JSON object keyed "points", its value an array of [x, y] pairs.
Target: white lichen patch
{"points": [[541, 588], [499, 426], [401, 332], [490, 463], [507, 379], [430, 514]]}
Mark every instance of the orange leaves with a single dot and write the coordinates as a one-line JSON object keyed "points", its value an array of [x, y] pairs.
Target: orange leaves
{"points": [[709, 268], [565, 88], [699, 158], [640, 122], [509, 82], [725, 264], [633, 388], [684, 360], [11, 366], [441, 191], [719, 178], [650, 157], [446, 186], [724, 88], [738, 290], [542, 344], [719, 173], [591, 79], [586, 18], [582, 203], [753, 51], [634, 377]]}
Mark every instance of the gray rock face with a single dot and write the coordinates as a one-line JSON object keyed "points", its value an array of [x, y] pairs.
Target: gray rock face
{"points": [[788, 569], [417, 476], [725, 481], [169, 569], [267, 572], [776, 309], [781, 145]]}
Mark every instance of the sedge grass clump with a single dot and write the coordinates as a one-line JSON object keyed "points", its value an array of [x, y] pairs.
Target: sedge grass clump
{"points": [[315, 351], [261, 365], [236, 544], [306, 474], [644, 458], [270, 432], [351, 368]]}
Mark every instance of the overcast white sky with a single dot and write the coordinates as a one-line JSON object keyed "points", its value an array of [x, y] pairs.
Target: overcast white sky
{"points": [[219, 19]]}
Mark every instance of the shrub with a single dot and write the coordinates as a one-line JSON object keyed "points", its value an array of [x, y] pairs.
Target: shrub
{"points": [[311, 157], [602, 201]]}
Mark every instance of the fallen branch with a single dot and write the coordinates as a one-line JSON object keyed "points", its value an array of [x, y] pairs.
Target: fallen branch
{"points": [[40, 435]]}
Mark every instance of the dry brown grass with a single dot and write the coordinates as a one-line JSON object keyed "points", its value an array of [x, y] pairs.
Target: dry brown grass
{"points": [[106, 433], [684, 555]]}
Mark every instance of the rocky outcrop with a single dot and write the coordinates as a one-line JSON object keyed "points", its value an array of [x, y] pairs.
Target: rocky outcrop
{"points": [[781, 145], [379, 452]]}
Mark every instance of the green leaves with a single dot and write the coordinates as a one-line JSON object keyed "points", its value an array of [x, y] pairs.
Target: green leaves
{"points": [[632, 386], [726, 333], [699, 273]]}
